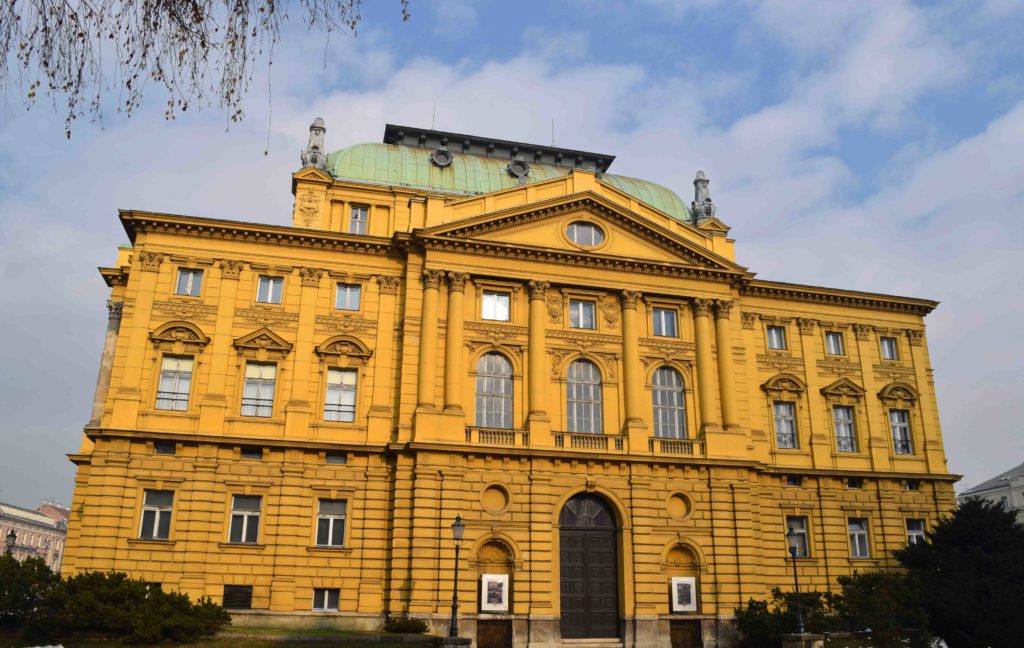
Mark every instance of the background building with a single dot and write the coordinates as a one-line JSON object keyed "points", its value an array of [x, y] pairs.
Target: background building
{"points": [[289, 418], [38, 533], [1006, 489]]}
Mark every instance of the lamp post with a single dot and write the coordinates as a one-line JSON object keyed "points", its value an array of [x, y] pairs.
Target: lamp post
{"points": [[793, 540], [458, 528], [9, 541]]}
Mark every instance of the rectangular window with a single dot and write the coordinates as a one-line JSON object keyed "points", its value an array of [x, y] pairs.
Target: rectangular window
{"points": [[859, 545], [251, 452], [190, 282], [348, 297], [330, 523], [156, 515], [794, 480], [855, 482], [340, 402], [245, 519], [358, 218], [581, 314], [165, 447], [798, 524], [258, 395], [912, 485], [776, 338], [325, 599], [238, 597], [495, 306], [785, 424], [175, 383], [338, 458], [915, 530], [890, 350], [899, 422], [834, 343], [846, 439], [269, 290], [665, 322]]}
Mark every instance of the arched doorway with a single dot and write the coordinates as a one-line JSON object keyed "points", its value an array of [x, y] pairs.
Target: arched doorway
{"points": [[589, 568]]}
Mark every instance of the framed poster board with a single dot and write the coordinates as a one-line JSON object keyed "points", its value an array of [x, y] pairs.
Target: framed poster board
{"points": [[683, 593], [494, 593]]}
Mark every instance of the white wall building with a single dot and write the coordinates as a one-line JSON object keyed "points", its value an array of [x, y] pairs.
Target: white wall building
{"points": [[1006, 489]]}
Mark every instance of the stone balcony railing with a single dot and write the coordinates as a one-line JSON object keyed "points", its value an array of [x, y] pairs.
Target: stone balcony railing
{"points": [[685, 447], [594, 442], [608, 443], [497, 437]]}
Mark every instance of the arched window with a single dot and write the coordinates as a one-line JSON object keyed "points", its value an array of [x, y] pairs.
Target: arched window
{"points": [[669, 404], [583, 398], [494, 391]]}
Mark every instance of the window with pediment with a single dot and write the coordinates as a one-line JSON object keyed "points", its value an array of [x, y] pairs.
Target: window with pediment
{"points": [[844, 398], [784, 392]]}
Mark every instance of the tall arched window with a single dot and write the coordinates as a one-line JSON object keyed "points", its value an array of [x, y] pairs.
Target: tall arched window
{"points": [[494, 391], [583, 398], [669, 404]]}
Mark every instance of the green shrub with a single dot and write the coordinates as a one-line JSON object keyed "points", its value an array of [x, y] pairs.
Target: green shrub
{"points": [[885, 602], [401, 624], [22, 586], [764, 622], [110, 604]]}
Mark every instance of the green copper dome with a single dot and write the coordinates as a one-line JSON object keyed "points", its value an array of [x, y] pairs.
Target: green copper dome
{"points": [[473, 174]]}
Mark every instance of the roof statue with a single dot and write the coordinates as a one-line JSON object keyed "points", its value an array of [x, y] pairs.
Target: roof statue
{"points": [[702, 207], [314, 154]]}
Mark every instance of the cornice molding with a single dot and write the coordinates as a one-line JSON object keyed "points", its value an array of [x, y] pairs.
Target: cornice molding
{"points": [[135, 222], [835, 297]]}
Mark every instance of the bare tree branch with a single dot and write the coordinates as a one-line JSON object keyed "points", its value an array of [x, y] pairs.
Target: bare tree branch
{"points": [[203, 52]]}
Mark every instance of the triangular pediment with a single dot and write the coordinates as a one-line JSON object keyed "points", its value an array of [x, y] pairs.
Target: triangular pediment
{"points": [[843, 387], [714, 225], [544, 226], [263, 343]]}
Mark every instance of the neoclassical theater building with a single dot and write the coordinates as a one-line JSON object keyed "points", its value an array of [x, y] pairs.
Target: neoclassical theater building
{"points": [[289, 418]]}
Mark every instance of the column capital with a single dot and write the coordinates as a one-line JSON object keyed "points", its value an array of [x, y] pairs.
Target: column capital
{"points": [[114, 309], [722, 308], [230, 268], [311, 276], [432, 278], [538, 289], [150, 260], [388, 285], [457, 281], [630, 298], [701, 306]]}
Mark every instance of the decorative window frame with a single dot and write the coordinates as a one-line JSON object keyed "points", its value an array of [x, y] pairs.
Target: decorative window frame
{"points": [[189, 263], [846, 393], [583, 217], [841, 330], [513, 289], [179, 337], [812, 524], [276, 272], [784, 324], [787, 387], [347, 493], [686, 371], [662, 304], [262, 345], [343, 352], [902, 395]]}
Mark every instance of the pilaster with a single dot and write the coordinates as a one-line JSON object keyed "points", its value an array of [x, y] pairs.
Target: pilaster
{"points": [[537, 420], [379, 418], [213, 404], [705, 367]]}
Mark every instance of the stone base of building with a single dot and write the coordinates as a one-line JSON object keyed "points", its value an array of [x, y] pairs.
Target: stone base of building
{"points": [[537, 631]]}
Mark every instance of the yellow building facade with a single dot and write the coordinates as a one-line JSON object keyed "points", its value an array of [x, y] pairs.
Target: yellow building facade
{"points": [[289, 418]]}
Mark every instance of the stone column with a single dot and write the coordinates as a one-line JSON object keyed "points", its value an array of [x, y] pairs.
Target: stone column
{"points": [[705, 375], [428, 340], [114, 309], [632, 372], [453, 374], [537, 356], [726, 383]]}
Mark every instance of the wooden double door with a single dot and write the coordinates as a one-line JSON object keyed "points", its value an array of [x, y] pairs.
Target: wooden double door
{"points": [[589, 569]]}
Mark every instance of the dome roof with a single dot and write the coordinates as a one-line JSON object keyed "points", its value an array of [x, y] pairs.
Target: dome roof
{"points": [[410, 166]]}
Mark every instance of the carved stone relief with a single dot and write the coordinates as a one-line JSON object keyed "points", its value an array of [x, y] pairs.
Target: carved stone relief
{"points": [[779, 362], [838, 367], [230, 268], [916, 337], [190, 312], [554, 304], [807, 326], [308, 207], [388, 285], [262, 317], [432, 278], [863, 331], [748, 319], [150, 260], [344, 324], [311, 276], [610, 311]]}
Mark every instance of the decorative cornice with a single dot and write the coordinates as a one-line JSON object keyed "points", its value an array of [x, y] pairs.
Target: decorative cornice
{"points": [[830, 296], [388, 285], [311, 276], [432, 278], [457, 281], [136, 222], [114, 276]]}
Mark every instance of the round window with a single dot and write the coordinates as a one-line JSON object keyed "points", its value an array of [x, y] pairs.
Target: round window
{"points": [[582, 233]]}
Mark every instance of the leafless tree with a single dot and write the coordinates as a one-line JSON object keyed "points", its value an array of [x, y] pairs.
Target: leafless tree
{"points": [[203, 52]]}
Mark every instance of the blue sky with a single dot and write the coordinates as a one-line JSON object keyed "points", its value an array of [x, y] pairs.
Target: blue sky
{"points": [[864, 145]]}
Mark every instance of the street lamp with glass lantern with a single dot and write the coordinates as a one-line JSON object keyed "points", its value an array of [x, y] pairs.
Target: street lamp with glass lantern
{"points": [[11, 538], [458, 528], [793, 540]]}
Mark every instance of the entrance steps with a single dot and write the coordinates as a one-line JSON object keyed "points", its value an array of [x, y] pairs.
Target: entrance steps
{"points": [[591, 643]]}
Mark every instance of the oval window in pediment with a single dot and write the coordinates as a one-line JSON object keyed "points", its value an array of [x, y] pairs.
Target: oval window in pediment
{"points": [[583, 233]]}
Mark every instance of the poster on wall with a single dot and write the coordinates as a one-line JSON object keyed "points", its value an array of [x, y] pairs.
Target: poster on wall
{"points": [[684, 594], [494, 593]]}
